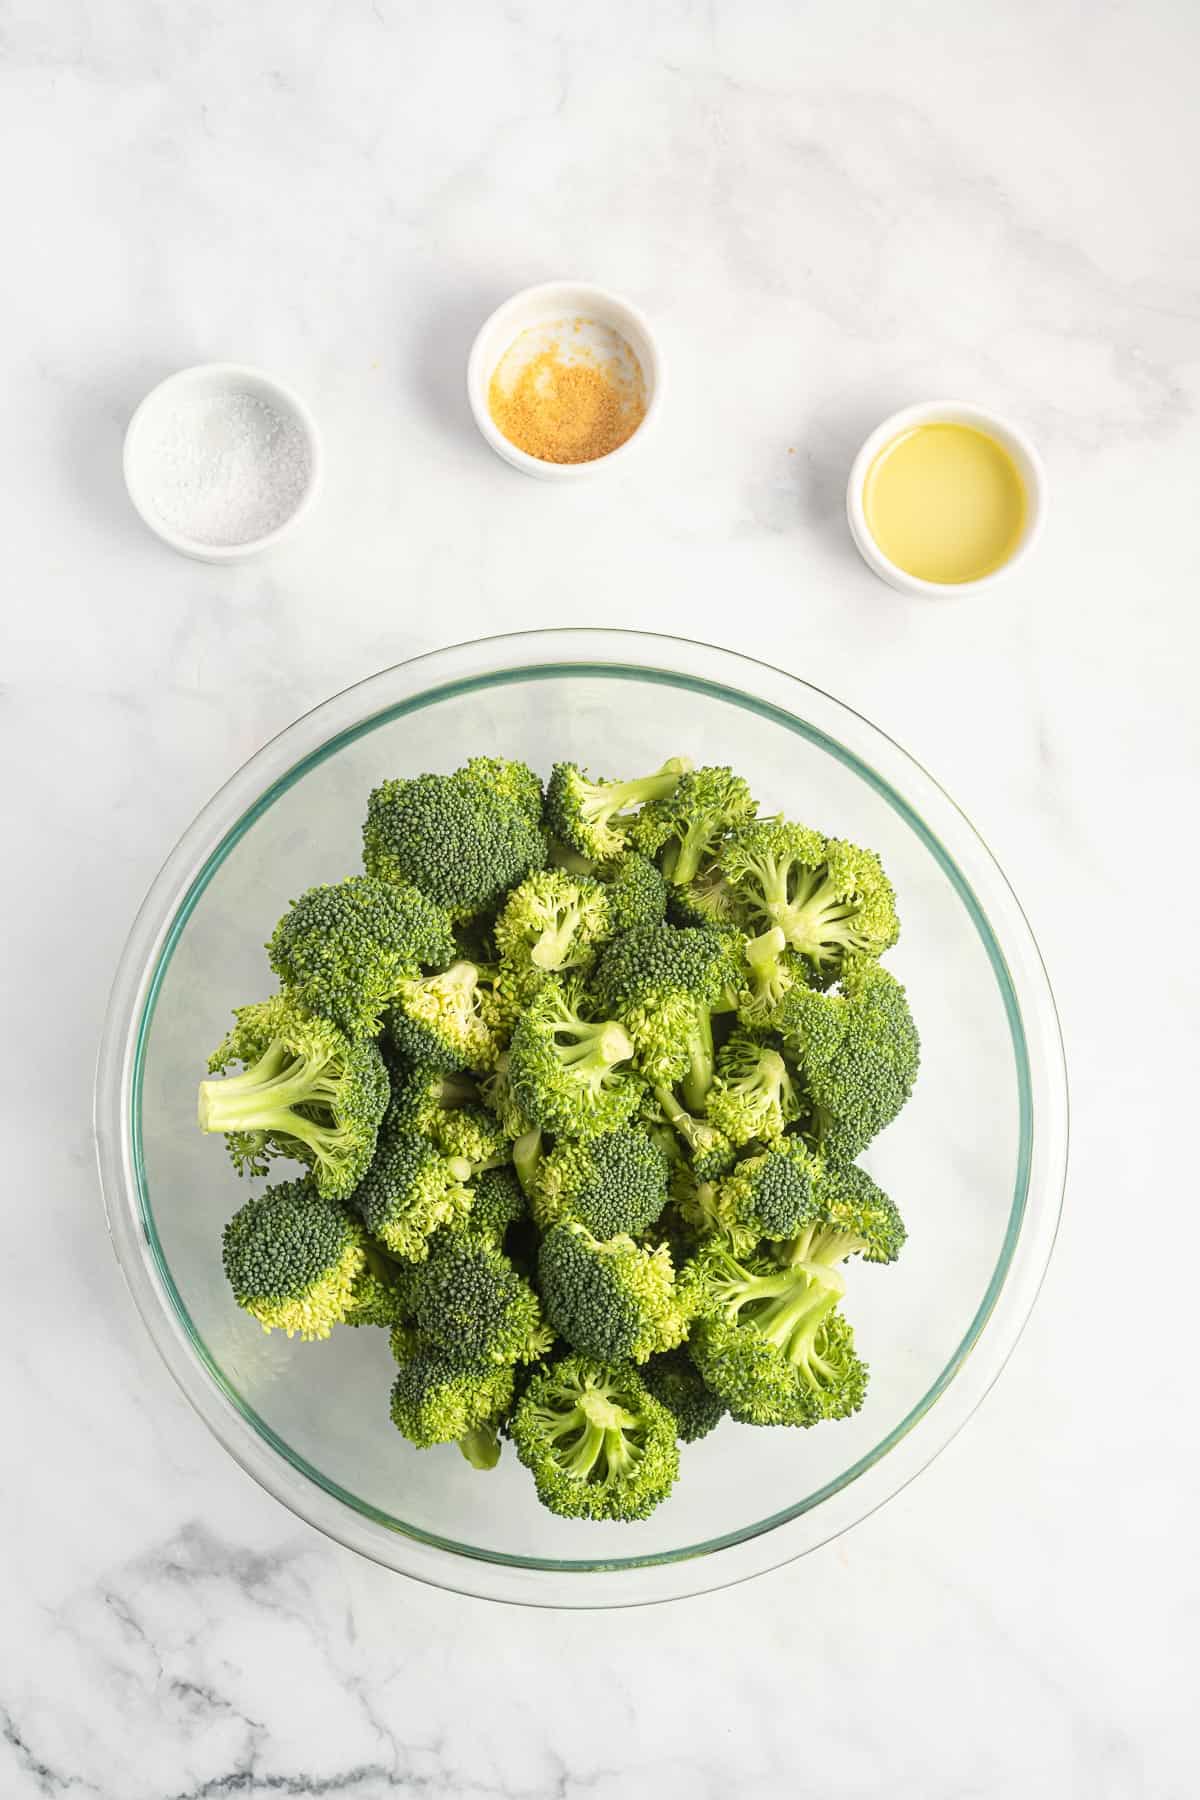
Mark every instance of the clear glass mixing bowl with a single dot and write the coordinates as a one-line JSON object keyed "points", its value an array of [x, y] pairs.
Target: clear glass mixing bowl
{"points": [[976, 1161]]}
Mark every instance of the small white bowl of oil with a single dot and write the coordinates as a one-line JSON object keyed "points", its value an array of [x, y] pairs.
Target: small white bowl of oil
{"points": [[564, 379], [945, 498]]}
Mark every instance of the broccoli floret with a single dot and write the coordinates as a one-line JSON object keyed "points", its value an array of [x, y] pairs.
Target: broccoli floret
{"points": [[709, 1150], [552, 923], [469, 1304], [612, 1184], [456, 837], [771, 1195], [637, 893], [515, 782], [753, 1094], [377, 1297], [770, 971], [292, 1258], [446, 1021], [587, 816], [564, 1067], [675, 1381], [306, 1091], [709, 900], [343, 950], [770, 1342], [597, 1442], [853, 1216], [663, 984], [435, 1401], [497, 1201], [831, 900], [422, 1096], [688, 826], [495, 1090], [410, 1190], [616, 1301], [858, 1052]]}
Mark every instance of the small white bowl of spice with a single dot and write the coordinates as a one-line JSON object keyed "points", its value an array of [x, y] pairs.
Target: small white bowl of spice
{"points": [[564, 379], [221, 461]]}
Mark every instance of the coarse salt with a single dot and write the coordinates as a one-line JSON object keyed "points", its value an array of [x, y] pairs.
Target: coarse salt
{"points": [[225, 468]]}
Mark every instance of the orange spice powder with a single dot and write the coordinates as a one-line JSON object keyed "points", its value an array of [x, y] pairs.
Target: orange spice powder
{"points": [[566, 410]]}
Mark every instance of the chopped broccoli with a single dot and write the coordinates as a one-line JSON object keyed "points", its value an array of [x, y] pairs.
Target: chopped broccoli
{"points": [[306, 1091], [495, 1090], [552, 923], [292, 1258], [445, 1021], [708, 900], [753, 1094], [687, 827], [422, 1095], [564, 1067], [831, 900], [770, 1195], [597, 1442], [853, 1216], [460, 839], [616, 1301], [343, 950], [612, 1184], [663, 983], [470, 1305], [674, 1379], [497, 1201], [858, 1053], [409, 1191], [588, 816], [515, 782], [770, 970], [377, 1296], [439, 1402], [710, 1151], [637, 893]]}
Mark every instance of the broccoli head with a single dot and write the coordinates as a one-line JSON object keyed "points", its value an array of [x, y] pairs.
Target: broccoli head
{"points": [[637, 893], [663, 983], [616, 1301], [515, 782], [497, 1201], [496, 1092], [377, 1296], [459, 838], [770, 970], [446, 1021], [342, 950], [596, 1441], [612, 1184], [831, 900], [306, 1091], [674, 1379], [471, 1306], [409, 1191], [686, 827], [852, 1217], [753, 1094], [435, 1401], [589, 816], [293, 1259], [564, 1066], [858, 1052], [771, 1195], [553, 922]]}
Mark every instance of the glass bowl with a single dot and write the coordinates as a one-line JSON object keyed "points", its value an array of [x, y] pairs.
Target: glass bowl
{"points": [[976, 1161]]}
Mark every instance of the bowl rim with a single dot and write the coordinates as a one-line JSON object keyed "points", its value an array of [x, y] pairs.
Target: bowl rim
{"points": [[765, 1544]]}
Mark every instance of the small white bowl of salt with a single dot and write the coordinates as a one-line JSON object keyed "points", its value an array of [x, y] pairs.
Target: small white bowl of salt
{"points": [[221, 461]]}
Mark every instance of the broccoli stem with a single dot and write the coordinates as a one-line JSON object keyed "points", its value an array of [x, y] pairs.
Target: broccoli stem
{"points": [[697, 1134], [699, 1076], [563, 857], [481, 1445], [553, 948], [262, 1098], [683, 856], [526, 1155]]}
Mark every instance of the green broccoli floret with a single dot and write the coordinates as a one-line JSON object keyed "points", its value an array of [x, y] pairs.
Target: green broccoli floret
{"points": [[422, 1095], [377, 1296], [343, 950], [597, 1442], [616, 1301], [564, 1066], [709, 1150], [637, 893], [770, 1342], [446, 1021], [753, 1094], [306, 1091], [858, 1052], [495, 1090], [708, 900], [770, 971], [588, 816], [853, 1216], [469, 1304], [409, 1191], [435, 1401], [497, 1201], [515, 782], [456, 837], [831, 900], [612, 1184], [675, 1381], [771, 1195], [663, 983], [687, 827], [292, 1258], [552, 923]]}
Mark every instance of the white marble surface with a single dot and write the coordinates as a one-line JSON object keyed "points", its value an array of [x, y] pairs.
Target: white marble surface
{"points": [[828, 211]]}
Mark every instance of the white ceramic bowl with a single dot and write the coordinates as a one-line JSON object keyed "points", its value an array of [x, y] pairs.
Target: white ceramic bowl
{"points": [[543, 305], [143, 440], [946, 412]]}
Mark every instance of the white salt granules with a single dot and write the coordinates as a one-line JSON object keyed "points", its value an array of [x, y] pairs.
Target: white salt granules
{"points": [[224, 468]]}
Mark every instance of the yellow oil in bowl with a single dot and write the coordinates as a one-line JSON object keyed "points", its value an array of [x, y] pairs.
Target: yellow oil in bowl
{"points": [[945, 503]]}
